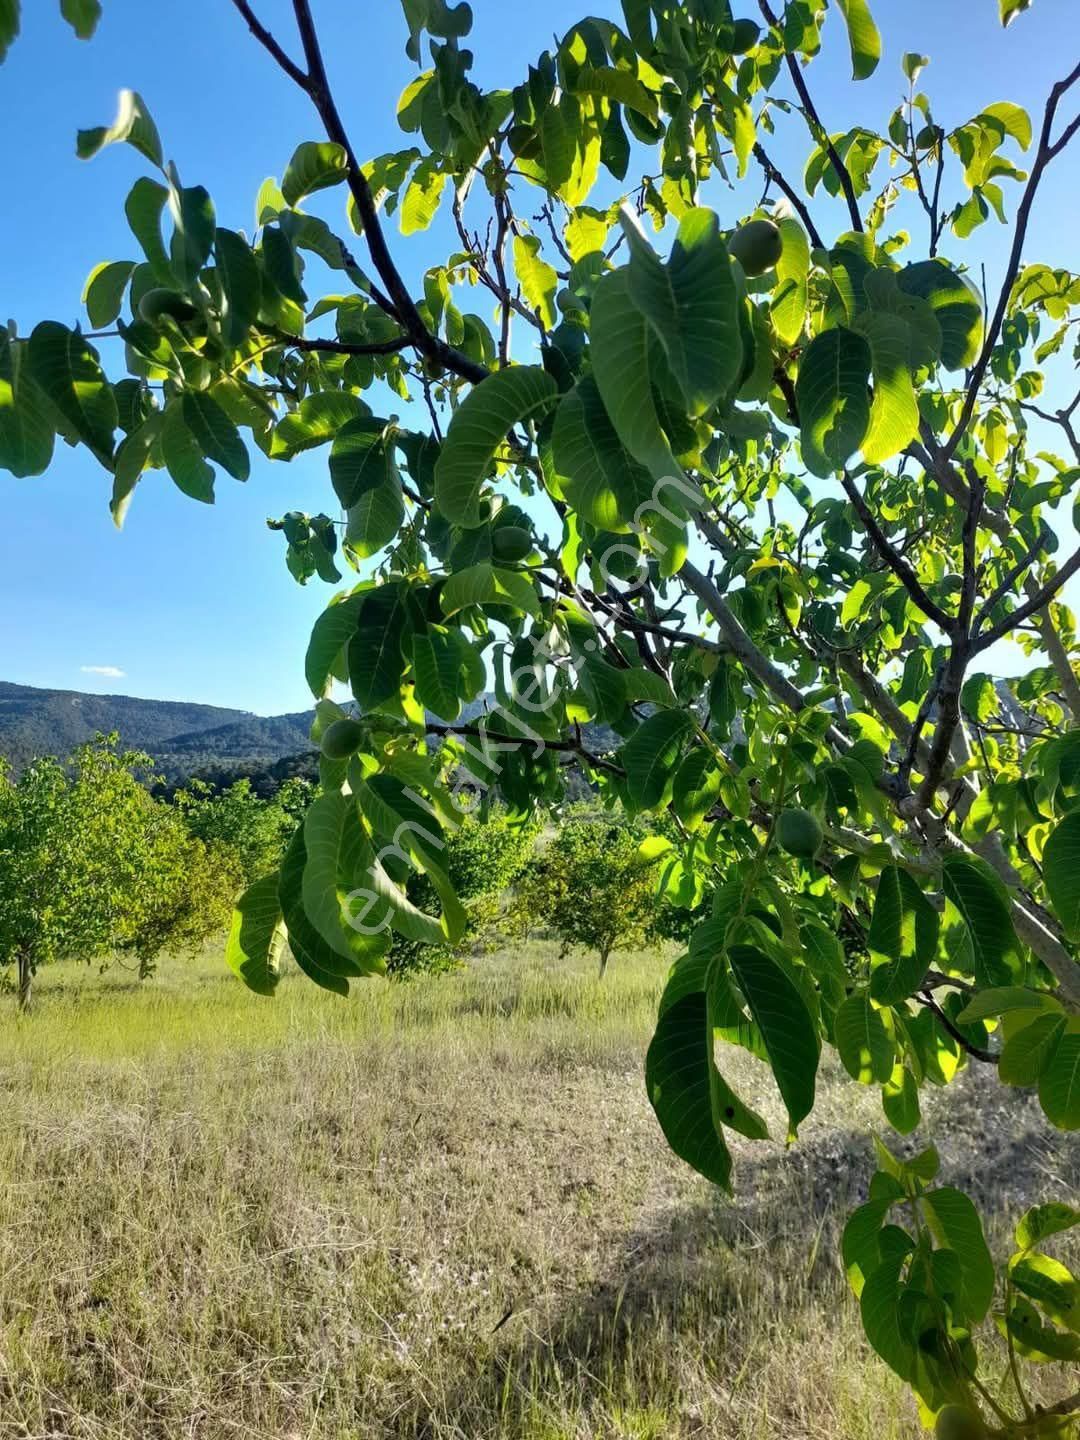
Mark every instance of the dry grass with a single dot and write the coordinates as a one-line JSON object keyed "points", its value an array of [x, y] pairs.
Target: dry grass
{"points": [[438, 1210]]}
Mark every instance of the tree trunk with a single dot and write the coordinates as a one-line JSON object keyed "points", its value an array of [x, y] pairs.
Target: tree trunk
{"points": [[26, 979], [603, 962]]}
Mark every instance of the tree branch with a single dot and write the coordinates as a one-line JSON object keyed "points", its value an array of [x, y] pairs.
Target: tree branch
{"points": [[934, 462], [821, 135], [267, 41], [976, 1052], [1009, 579], [948, 718], [342, 347], [1042, 597], [562, 747], [742, 647], [316, 86], [895, 561], [799, 204], [1046, 152], [1058, 417], [969, 534]]}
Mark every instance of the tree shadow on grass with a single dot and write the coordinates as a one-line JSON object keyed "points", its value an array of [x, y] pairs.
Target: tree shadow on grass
{"points": [[719, 1274]]}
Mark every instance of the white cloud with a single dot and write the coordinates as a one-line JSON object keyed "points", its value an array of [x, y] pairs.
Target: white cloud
{"points": [[111, 672]]}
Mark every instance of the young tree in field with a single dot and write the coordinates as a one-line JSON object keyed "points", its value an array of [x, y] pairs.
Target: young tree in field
{"points": [[91, 864], [591, 887], [255, 830], [484, 858], [758, 490]]}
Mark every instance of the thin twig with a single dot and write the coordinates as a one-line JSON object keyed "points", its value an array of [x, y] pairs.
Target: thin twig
{"points": [[821, 135], [895, 561], [773, 174], [565, 747], [1046, 152], [342, 347], [975, 1051]]}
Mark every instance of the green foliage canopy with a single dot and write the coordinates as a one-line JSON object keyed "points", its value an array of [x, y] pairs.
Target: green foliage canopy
{"points": [[764, 527], [92, 864]]}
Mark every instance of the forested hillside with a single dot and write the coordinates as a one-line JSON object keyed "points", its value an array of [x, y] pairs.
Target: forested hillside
{"points": [[209, 741], [181, 736]]}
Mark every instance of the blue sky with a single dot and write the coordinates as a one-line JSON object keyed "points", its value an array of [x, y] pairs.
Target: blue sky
{"points": [[194, 602]]}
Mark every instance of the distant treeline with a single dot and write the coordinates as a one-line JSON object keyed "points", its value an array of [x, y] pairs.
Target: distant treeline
{"points": [[101, 859]]}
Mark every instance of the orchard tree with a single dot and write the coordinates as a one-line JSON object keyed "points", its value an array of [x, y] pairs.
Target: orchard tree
{"points": [[758, 490], [485, 856], [91, 865], [255, 830], [592, 887]]}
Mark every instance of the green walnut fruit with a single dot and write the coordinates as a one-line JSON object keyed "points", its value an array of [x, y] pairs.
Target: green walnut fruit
{"points": [[433, 369], [342, 739], [745, 37], [957, 1422], [757, 246], [799, 833], [511, 542], [156, 304]]}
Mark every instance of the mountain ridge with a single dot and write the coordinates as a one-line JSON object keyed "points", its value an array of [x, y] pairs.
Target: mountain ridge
{"points": [[179, 734], [184, 738]]}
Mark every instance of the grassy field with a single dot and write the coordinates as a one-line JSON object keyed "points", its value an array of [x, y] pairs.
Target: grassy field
{"points": [[438, 1210]]}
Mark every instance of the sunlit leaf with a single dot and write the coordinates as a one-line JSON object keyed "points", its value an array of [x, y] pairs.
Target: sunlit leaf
{"points": [[955, 304], [894, 413], [315, 165], [257, 939], [865, 1047], [863, 36], [692, 303], [833, 398], [480, 424], [133, 123], [537, 278]]}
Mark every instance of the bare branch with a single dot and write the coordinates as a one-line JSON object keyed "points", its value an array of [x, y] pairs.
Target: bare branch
{"points": [[267, 41], [1059, 417]]}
